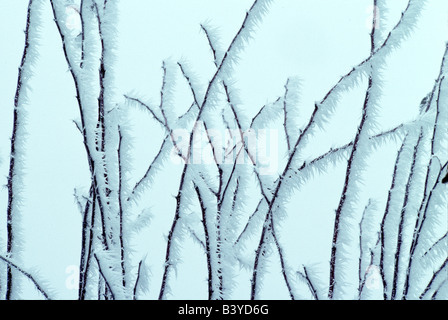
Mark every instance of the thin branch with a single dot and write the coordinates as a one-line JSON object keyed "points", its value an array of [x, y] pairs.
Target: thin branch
{"points": [[262, 110], [361, 248], [120, 204], [104, 278], [371, 56], [436, 292], [261, 251], [363, 283], [197, 239], [83, 32], [148, 174], [207, 243], [235, 194], [398, 252], [223, 194], [421, 218], [246, 227], [434, 277], [75, 72], [282, 262], [26, 274], [86, 246], [137, 280], [349, 175], [101, 125], [210, 43], [190, 85], [246, 148], [285, 117], [188, 112], [149, 110], [442, 67], [13, 198], [308, 281], [170, 238], [445, 236], [310, 164], [385, 216]]}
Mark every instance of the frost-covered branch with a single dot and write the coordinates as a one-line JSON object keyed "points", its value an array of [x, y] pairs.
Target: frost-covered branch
{"points": [[253, 16], [18, 138], [290, 113], [355, 163], [205, 223], [104, 277], [441, 242], [86, 242], [90, 65], [434, 278], [148, 108], [385, 217], [400, 31], [306, 277], [437, 137], [120, 205], [211, 199], [398, 252], [26, 274], [285, 269]]}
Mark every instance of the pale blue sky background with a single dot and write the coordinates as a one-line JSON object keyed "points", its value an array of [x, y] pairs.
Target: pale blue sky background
{"points": [[316, 40]]}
